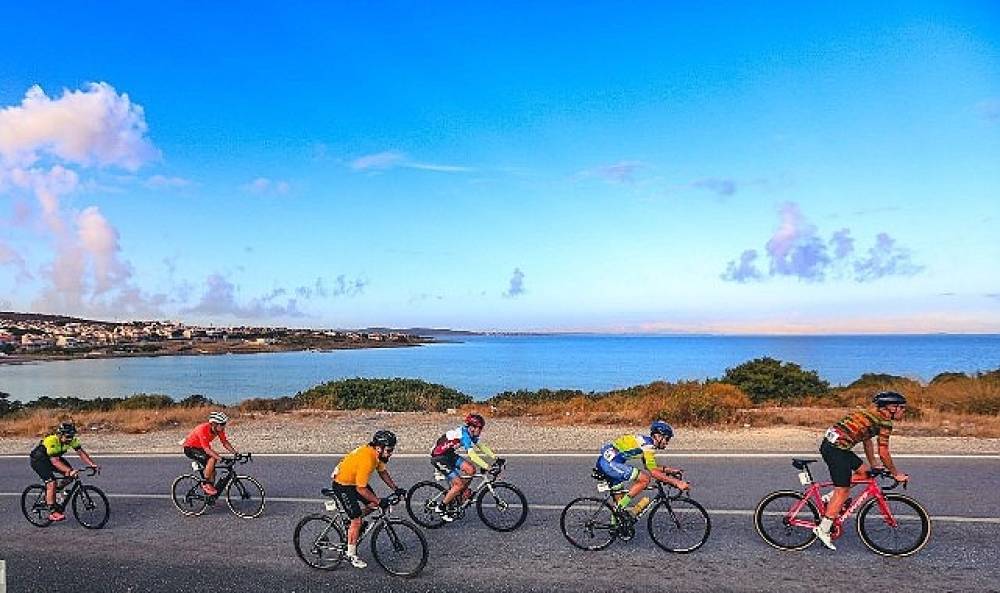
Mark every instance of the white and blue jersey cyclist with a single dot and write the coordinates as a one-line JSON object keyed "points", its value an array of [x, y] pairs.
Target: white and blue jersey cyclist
{"points": [[459, 470]]}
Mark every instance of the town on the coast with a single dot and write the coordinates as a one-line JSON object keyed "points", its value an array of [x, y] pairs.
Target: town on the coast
{"points": [[31, 336]]}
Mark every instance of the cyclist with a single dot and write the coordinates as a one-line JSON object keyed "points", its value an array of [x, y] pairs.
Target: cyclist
{"points": [[350, 482], [198, 446], [859, 426], [458, 469], [47, 458], [615, 455]]}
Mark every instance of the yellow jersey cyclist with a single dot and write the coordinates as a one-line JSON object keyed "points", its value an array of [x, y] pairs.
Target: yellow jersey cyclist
{"points": [[350, 482], [460, 470], [47, 458], [858, 427], [614, 458]]}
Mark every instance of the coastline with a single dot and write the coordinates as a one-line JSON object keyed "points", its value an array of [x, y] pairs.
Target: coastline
{"points": [[335, 432]]}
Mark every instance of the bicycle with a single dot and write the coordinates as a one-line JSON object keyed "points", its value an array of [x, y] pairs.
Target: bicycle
{"points": [[500, 505], [397, 545], [244, 494], [676, 523], [889, 524], [89, 503]]}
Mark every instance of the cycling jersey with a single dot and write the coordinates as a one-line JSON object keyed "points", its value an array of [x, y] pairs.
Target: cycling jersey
{"points": [[459, 438], [202, 436], [630, 446], [52, 446], [859, 425], [356, 468]]}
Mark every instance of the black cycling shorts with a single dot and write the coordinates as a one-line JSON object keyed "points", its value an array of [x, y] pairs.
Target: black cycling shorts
{"points": [[44, 468], [198, 454], [350, 499], [841, 462]]}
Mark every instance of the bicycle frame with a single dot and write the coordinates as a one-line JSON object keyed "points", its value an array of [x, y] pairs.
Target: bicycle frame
{"points": [[486, 480], [655, 484], [813, 492]]}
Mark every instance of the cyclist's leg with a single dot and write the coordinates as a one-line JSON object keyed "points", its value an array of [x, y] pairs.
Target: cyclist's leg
{"points": [[46, 471], [458, 478], [351, 501], [619, 473], [198, 454], [843, 465]]}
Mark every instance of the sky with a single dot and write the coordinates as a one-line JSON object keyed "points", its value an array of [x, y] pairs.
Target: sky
{"points": [[607, 167]]}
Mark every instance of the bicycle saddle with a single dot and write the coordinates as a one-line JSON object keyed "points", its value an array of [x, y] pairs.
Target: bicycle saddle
{"points": [[598, 475], [802, 463], [328, 492]]}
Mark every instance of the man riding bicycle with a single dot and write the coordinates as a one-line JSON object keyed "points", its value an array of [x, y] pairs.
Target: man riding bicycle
{"points": [[350, 482], [859, 426], [615, 455], [198, 446], [459, 470], [47, 458]]}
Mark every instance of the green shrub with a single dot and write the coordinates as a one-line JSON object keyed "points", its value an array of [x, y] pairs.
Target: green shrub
{"points": [[947, 377], [769, 379], [394, 395]]}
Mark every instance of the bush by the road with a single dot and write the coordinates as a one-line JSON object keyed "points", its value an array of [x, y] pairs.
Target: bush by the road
{"points": [[767, 378], [394, 395]]}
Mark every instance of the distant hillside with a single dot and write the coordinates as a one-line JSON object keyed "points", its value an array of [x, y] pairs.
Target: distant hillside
{"points": [[422, 331], [14, 316]]}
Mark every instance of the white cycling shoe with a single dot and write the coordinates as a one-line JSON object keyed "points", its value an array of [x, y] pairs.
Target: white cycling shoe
{"points": [[824, 536]]}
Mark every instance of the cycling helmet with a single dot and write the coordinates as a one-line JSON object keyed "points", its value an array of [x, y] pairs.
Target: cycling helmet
{"points": [[218, 418], [384, 438], [888, 398], [661, 427], [475, 420], [66, 429]]}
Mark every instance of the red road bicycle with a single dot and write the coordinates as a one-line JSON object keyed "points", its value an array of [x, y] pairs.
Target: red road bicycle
{"points": [[891, 524]]}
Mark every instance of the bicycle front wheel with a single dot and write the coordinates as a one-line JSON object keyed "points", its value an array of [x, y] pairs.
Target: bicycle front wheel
{"points": [[900, 532], [399, 547], [421, 503], [778, 516], [589, 523], [679, 525], [245, 497], [90, 507], [188, 496], [502, 507], [34, 507], [320, 541]]}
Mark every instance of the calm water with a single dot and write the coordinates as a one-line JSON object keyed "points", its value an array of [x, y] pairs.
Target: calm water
{"points": [[482, 366]]}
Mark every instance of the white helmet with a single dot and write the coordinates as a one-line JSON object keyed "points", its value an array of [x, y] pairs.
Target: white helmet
{"points": [[218, 418]]}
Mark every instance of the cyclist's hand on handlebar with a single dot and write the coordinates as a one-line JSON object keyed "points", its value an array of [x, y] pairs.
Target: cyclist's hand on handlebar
{"points": [[901, 477], [682, 485], [73, 473]]}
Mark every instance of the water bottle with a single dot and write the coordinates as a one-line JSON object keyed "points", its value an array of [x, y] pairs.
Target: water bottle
{"points": [[641, 505]]}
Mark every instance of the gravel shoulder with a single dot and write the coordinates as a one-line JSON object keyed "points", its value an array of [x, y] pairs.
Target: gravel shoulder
{"points": [[336, 432]]}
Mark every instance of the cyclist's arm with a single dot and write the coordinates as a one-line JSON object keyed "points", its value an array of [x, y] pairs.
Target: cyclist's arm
{"points": [[86, 457], [225, 443], [662, 476], [384, 474], [870, 452], [60, 464], [367, 494], [476, 453], [211, 452], [883, 453]]}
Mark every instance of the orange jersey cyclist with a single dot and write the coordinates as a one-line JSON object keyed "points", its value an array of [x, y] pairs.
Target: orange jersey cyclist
{"points": [[47, 458], [614, 458], [350, 482], [858, 427], [460, 470], [198, 446]]}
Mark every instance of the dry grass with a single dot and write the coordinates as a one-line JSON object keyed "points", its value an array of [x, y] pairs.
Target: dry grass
{"points": [[42, 422]]}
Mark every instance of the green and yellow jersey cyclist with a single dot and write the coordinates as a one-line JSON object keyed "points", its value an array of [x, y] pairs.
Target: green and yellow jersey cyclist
{"points": [[858, 427], [614, 458], [350, 482], [47, 459]]}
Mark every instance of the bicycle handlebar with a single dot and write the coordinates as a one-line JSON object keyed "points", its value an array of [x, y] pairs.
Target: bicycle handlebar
{"points": [[883, 474], [387, 501]]}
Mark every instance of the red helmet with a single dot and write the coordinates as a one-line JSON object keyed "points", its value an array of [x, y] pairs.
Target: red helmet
{"points": [[476, 420]]}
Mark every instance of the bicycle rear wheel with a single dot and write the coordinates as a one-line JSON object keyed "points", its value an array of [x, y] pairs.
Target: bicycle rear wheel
{"points": [[773, 517], [245, 497], [421, 501], [679, 525], [90, 507], [320, 541], [399, 547], [589, 523], [502, 509], [34, 507], [188, 496], [911, 531]]}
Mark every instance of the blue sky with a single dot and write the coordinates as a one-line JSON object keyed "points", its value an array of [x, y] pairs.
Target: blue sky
{"points": [[598, 167]]}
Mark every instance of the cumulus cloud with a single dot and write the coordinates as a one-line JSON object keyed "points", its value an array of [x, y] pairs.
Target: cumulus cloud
{"points": [[94, 126], [391, 159], [219, 300], [516, 286], [797, 249], [263, 185]]}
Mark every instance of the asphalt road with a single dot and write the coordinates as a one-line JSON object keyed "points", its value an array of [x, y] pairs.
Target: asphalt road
{"points": [[148, 546]]}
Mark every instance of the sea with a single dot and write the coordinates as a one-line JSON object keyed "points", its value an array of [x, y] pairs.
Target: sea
{"points": [[482, 366]]}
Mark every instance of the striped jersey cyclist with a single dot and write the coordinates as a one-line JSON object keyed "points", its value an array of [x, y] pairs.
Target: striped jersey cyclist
{"points": [[47, 459], [858, 427], [614, 458], [459, 470]]}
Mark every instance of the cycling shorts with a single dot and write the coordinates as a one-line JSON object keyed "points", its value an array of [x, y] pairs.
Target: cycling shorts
{"points": [[197, 454], [616, 471], [841, 462], [349, 499], [449, 464], [44, 468]]}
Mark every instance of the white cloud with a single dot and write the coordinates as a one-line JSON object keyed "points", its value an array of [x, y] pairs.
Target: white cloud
{"points": [[382, 161], [263, 185]]}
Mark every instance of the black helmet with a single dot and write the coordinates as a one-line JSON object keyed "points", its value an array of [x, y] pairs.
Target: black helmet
{"points": [[384, 438], [66, 429], [888, 398]]}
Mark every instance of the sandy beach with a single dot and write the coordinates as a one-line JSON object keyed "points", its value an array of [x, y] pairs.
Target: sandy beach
{"points": [[322, 432]]}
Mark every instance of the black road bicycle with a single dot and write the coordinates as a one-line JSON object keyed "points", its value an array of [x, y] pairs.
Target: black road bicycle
{"points": [[244, 494], [397, 545], [500, 505], [89, 503], [676, 523]]}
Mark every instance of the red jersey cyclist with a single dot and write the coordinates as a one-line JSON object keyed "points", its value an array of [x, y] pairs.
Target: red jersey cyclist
{"points": [[198, 446], [47, 458], [858, 427]]}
